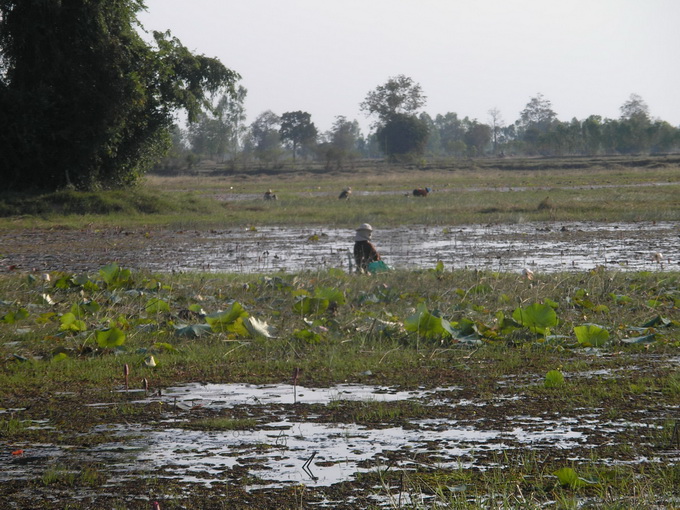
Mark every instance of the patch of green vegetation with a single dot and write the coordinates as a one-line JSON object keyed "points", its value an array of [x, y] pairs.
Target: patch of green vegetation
{"points": [[112, 337], [81, 476], [583, 189]]}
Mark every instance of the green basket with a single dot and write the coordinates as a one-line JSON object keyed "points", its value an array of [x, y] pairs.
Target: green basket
{"points": [[378, 267]]}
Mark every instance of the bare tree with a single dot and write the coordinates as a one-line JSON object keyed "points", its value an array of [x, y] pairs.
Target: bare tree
{"points": [[497, 124]]}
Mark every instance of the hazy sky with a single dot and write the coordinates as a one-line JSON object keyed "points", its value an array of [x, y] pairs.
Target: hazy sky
{"points": [[324, 56]]}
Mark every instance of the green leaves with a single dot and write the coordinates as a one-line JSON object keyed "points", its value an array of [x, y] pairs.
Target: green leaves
{"points": [[554, 379], [69, 322], [110, 338], [591, 335], [319, 303], [537, 317], [17, 315], [156, 305], [114, 276], [428, 325], [567, 477]]}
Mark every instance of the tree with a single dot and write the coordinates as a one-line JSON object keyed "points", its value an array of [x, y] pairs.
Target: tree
{"points": [[403, 135], [497, 124], [538, 113], [298, 129], [341, 143], [536, 121], [219, 132], [265, 136], [400, 95], [591, 132], [634, 108], [477, 136], [84, 100], [451, 134]]}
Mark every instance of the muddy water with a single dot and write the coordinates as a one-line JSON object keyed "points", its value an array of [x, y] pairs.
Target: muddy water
{"points": [[542, 247], [293, 443]]}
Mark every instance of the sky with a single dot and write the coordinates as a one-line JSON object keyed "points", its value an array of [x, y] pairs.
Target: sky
{"points": [[469, 56]]}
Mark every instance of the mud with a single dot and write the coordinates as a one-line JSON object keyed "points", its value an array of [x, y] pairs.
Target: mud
{"points": [[541, 247], [311, 443]]}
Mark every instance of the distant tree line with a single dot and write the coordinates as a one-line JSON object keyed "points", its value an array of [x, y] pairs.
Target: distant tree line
{"points": [[401, 131]]}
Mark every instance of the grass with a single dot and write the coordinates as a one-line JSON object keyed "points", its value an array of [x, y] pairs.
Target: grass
{"points": [[362, 341], [483, 191]]}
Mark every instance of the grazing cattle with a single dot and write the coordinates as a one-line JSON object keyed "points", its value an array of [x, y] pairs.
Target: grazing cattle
{"points": [[346, 193], [269, 195], [421, 192]]}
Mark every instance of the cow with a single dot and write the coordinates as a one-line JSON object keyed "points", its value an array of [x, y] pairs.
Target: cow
{"points": [[421, 192]]}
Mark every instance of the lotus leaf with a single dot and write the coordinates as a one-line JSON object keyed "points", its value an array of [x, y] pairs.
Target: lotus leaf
{"points": [[220, 320], [537, 317], [114, 276], [191, 331], [428, 325], [12, 317], [309, 305], [69, 322], [620, 298], [307, 335], [656, 322], [155, 305], [110, 338], [171, 348], [591, 335], [646, 339], [332, 295]]}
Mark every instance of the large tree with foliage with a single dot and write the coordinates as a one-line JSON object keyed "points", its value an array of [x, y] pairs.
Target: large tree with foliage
{"points": [[84, 100], [399, 95], [396, 103], [265, 138], [218, 133], [298, 129], [403, 136]]}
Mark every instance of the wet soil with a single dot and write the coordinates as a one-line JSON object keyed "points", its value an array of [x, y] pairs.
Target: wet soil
{"points": [[344, 447], [541, 247]]}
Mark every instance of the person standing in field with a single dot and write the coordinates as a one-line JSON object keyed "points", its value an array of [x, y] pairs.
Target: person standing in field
{"points": [[364, 251]]}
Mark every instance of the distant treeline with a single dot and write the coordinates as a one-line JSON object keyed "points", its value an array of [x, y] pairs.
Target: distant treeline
{"points": [[272, 140]]}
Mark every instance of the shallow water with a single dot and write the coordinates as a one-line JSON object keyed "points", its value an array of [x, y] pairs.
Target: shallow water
{"points": [[542, 247], [284, 449], [564, 247]]}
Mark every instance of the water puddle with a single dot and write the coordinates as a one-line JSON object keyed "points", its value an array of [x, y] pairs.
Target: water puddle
{"points": [[290, 444]]}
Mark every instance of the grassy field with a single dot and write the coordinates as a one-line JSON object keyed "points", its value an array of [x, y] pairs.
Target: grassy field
{"points": [[485, 191], [598, 349]]}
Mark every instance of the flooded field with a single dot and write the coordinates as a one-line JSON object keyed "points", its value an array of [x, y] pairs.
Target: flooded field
{"points": [[318, 439], [539, 246]]}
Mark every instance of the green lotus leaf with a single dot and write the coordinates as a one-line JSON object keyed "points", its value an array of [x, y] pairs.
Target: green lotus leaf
{"points": [[537, 317], [591, 335], [155, 305], [110, 338]]}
